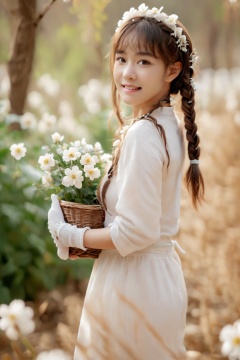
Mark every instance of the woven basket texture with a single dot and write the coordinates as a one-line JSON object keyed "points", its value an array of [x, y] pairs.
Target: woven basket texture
{"points": [[83, 215]]}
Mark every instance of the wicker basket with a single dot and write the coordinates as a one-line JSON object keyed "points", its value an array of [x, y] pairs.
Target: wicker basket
{"points": [[83, 215]]}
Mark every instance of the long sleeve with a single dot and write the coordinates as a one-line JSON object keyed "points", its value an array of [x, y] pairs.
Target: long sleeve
{"points": [[139, 189]]}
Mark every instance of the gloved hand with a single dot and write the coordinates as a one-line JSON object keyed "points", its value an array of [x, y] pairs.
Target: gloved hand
{"points": [[63, 233], [55, 219]]}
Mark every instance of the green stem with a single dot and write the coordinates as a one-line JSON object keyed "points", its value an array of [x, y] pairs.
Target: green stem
{"points": [[17, 351], [28, 345]]}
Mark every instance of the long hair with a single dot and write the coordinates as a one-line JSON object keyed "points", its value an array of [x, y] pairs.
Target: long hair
{"points": [[148, 34]]}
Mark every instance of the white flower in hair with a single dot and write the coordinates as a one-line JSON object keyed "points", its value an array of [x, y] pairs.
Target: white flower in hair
{"points": [[182, 43], [193, 59], [193, 84], [178, 32], [143, 8], [171, 22]]}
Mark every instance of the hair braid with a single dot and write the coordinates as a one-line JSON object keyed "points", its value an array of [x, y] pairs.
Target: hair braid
{"points": [[193, 178]]}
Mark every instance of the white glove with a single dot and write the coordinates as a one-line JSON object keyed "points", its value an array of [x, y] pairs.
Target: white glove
{"points": [[55, 219], [64, 234]]}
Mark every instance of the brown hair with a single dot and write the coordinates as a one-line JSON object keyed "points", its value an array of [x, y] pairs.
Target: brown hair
{"points": [[148, 34]]}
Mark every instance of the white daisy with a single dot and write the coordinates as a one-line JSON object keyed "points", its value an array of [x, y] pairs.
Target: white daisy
{"points": [[56, 137], [47, 180], [18, 151], [230, 336], [92, 172], [87, 159], [28, 121], [46, 161], [73, 177], [71, 154], [16, 319]]}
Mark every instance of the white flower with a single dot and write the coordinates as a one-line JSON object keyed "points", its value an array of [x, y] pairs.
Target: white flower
{"points": [[76, 143], [47, 122], [55, 354], [193, 59], [49, 85], [143, 8], [171, 21], [87, 159], [46, 161], [178, 32], [71, 154], [88, 148], [193, 84], [18, 151], [28, 121], [56, 137], [98, 146], [16, 318], [230, 336], [35, 99], [95, 158], [92, 172], [106, 157], [83, 142], [47, 180], [182, 43], [73, 177]]}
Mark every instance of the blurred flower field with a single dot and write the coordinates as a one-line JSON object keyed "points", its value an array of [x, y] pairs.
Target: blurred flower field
{"points": [[210, 236]]}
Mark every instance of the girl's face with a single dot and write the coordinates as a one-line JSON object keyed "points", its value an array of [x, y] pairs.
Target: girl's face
{"points": [[141, 79]]}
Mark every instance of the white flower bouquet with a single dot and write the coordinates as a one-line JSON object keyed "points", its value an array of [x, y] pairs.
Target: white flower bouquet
{"points": [[73, 171]]}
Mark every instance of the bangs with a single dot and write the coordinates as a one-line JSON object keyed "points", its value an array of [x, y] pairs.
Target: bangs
{"points": [[141, 36]]}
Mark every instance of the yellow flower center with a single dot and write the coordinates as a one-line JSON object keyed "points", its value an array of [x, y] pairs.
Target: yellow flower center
{"points": [[91, 171], [46, 161], [18, 150], [74, 176], [236, 340], [88, 160], [12, 317], [71, 155]]}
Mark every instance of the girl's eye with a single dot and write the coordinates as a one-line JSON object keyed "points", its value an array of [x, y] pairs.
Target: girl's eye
{"points": [[120, 59], [144, 62]]}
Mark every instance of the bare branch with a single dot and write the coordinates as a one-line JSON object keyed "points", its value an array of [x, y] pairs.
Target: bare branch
{"points": [[43, 12]]}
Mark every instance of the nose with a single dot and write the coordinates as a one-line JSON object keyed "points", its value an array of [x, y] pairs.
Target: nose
{"points": [[129, 71]]}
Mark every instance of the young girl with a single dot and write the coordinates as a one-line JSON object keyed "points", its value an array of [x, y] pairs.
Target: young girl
{"points": [[136, 301]]}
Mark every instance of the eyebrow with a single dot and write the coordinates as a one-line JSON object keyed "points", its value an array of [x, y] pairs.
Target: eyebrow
{"points": [[143, 53]]}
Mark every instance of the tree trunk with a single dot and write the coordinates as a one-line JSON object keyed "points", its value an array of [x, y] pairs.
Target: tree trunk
{"points": [[23, 14]]}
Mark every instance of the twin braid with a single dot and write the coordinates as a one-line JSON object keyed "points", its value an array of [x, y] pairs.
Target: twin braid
{"points": [[193, 178], [188, 102]]}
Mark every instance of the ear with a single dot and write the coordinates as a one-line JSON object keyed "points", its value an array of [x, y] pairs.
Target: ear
{"points": [[173, 71]]}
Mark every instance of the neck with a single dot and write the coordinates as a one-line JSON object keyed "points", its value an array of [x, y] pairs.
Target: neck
{"points": [[140, 113]]}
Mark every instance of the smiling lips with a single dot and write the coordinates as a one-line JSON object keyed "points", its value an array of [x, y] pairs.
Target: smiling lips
{"points": [[130, 87]]}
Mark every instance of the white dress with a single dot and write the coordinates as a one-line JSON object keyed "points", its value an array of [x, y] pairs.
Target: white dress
{"points": [[136, 301]]}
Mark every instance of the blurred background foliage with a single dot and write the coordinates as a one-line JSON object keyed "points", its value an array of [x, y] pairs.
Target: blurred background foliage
{"points": [[70, 82]]}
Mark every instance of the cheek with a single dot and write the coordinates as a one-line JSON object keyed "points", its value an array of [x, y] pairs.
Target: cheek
{"points": [[115, 73]]}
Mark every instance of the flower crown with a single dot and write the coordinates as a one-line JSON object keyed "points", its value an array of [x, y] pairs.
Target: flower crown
{"points": [[170, 21]]}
